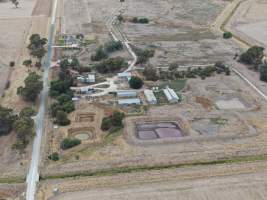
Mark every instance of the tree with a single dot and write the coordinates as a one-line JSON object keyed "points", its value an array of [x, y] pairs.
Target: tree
{"points": [[151, 73], [116, 118], [253, 56], [11, 64], [36, 46], [62, 118], [136, 82], [143, 56], [27, 112], [227, 35], [24, 128], [173, 66], [106, 124], [15, 2], [27, 63], [7, 119], [33, 87], [54, 156], [99, 55], [263, 72], [113, 46]]}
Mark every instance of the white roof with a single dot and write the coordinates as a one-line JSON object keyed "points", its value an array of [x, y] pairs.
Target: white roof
{"points": [[150, 96], [129, 101], [124, 74], [127, 92], [171, 94]]}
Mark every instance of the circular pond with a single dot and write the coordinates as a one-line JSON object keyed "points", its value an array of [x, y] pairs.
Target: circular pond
{"points": [[82, 136]]}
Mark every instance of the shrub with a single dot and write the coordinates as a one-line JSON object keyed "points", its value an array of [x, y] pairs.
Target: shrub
{"points": [[227, 35], [99, 55], [7, 119], [263, 72], [120, 18], [11, 64], [136, 82], [54, 156], [68, 143], [143, 20]]}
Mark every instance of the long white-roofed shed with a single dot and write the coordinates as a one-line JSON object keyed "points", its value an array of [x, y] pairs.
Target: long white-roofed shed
{"points": [[171, 95], [126, 93]]}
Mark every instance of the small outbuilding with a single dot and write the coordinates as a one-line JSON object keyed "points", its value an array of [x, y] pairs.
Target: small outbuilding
{"points": [[125, 75], [90, 78], [150, 97]]}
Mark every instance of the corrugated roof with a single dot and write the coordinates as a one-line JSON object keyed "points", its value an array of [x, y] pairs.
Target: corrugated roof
{"points": [[129, 101]]}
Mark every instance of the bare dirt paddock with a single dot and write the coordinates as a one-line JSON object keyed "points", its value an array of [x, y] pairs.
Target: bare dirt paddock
{"points": [[249, 22], [245, 181]]}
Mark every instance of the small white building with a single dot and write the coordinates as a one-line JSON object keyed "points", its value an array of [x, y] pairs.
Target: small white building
{"points": [[127, 102], [125, 75], [86, 90], [171, 95], [150, 97], [87, 79], [126, 93]]}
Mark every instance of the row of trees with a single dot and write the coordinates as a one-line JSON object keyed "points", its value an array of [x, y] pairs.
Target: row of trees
{"points": [[22, 124], [37, 50], [62, 94], [103, 51], [111, 65]]}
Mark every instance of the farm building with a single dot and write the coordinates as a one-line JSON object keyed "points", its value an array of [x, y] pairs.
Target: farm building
{"points": [[126, 93], [86, 90], [87, 79], [126, 102], [150, 97], [125, 75], [171, 95]]}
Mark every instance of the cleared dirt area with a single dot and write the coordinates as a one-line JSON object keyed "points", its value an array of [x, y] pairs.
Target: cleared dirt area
{"points": [[236, 181], [249, 22], [11, 191], [16, 26], [42, 8], [178, 31]]}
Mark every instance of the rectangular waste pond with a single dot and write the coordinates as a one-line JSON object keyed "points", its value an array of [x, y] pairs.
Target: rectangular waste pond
{"points": [[157, 130]]}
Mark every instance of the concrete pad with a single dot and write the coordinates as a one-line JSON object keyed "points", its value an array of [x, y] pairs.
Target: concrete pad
{"points": [[230, 104]]}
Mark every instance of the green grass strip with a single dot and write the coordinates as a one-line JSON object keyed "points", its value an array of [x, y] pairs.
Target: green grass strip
{"points": [[122, 170]]}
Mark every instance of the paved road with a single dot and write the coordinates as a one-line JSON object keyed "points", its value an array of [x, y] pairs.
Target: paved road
{"points": [[33, 174]]}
